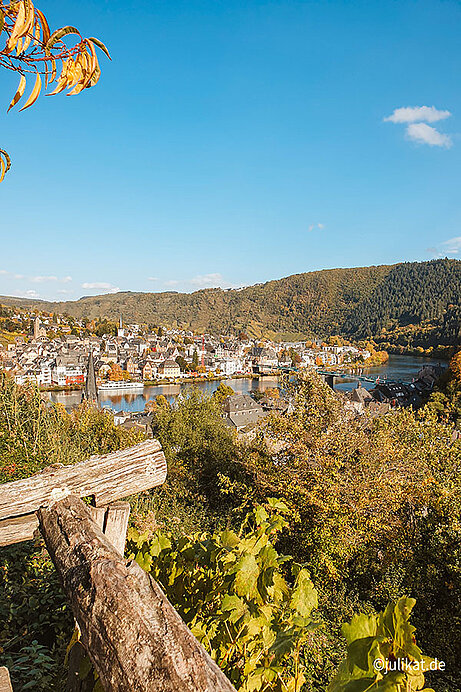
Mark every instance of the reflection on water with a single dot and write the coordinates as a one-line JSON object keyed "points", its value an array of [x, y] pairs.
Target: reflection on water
{"points": [[397, 368]]}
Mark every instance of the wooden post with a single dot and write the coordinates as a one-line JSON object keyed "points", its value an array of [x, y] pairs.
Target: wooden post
{"points": [[113, 522], [133, 635], [116, 524], [5, 682]]}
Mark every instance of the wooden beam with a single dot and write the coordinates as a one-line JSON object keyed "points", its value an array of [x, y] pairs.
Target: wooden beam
{"points": [[134, 637], [18, 529], [107, 478]]}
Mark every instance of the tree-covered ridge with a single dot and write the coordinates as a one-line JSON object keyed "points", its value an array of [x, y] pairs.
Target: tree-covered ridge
{"points": [[378, 301], [412, 293]]}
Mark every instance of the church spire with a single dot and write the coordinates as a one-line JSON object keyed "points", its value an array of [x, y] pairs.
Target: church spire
{"points": [[90, 392], [120, 330]]}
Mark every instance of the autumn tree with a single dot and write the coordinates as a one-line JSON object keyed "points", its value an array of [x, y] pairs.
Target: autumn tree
{"points": [[29, 47]]}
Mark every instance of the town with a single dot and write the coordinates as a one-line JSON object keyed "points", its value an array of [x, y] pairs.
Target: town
{"points": [[52, 351]]}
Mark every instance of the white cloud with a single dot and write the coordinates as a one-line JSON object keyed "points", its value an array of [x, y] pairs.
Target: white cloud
{"points": [[30, 294], [152, 278], [315, 225], [425, 134], [18, 276], [452, 246], [41, 279], [96, 284], [207, 280], [64, 291], [3, 271], [448, 247], [413, 114], [101, 286], [171, 282]]}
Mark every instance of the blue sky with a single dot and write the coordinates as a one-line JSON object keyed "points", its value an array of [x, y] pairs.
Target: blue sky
{"points": [[231, 142]]}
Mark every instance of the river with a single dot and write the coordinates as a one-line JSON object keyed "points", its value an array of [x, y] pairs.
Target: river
{"points": [[397, 368]]}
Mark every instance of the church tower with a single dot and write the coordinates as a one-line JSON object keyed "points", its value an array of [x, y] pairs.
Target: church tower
{"points": [[120, 330], [90, 392], [37, 328]]}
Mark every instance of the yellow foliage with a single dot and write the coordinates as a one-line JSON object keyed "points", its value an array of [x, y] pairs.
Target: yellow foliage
{"points": [[25, 30]]}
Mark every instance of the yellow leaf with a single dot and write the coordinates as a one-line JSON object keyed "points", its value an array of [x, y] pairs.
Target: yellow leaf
{"points": [[19, 25], [62, 83], [100, 45], [45, 28], [53, 71], [19, 93], [34, 94]]}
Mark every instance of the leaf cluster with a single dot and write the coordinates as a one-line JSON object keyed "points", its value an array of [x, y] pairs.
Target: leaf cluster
{"points": [[231, 590], [382, 654]]}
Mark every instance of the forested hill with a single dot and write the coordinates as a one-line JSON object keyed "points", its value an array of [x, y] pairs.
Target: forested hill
{"points": [[358, 302]]}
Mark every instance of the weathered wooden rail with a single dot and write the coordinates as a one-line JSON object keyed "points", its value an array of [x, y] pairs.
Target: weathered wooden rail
{"points": [[133, 635], [135, 639], [105, 478]]}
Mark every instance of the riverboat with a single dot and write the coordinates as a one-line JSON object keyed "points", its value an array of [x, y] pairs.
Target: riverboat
{"points": [[121, 386]]}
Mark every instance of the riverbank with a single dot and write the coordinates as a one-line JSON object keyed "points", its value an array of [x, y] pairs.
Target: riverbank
{"points": [[397, 368], [164, 381]]}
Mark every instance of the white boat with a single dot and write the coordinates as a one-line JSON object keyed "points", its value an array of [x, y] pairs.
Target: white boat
{"points": [[118, 386]]}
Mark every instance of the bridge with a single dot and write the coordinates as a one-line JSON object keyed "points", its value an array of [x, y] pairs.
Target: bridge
{"points": [[330, 375]]}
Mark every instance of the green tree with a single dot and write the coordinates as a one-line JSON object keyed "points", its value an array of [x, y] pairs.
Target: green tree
{"points": [[222, 392]]}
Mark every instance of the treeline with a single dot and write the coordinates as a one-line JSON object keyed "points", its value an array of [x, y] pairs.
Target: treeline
{"points": [[416, 303], [424, 296]]}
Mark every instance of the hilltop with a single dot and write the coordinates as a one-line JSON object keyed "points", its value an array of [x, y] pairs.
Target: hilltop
{"points": [[417, 302]]}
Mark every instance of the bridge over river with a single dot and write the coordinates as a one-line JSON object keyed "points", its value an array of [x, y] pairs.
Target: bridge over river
{"points": [[330, 376]]}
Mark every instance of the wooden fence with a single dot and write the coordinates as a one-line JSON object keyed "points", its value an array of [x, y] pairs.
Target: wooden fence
{"points": [[132, 634]]}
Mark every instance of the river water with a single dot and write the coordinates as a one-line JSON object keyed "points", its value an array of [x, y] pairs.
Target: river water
{"points": [[397, 368]]}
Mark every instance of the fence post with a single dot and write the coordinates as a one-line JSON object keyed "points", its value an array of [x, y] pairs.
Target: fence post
{"points": [[134, 637], [113, 522]]}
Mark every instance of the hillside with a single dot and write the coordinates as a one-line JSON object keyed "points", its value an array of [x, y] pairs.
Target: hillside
{"points": [[358, 302]]}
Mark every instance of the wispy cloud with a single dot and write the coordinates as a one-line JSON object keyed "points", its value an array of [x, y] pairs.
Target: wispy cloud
{"points": [[44, 279], [208, 280], [425, 134], [152, 278], [30, 294], [414, 114], [448, 247], [36, 279], [211, 280], [96, 284], [313, 226], [101, 286], [452, 246]]}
